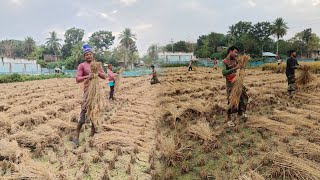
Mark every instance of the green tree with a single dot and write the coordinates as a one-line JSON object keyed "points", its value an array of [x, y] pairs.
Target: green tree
{"points": [[53, 43], [72, 36], [101, 40], [236, 30], [279, 29], [29, 46], [261, 32], [76, 57], [38, 53], [153, 51], [127, 40]]}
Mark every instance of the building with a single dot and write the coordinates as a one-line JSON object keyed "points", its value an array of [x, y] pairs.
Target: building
{"points": [[315, 53], [50, 58], [176, 57], [21, 66]]}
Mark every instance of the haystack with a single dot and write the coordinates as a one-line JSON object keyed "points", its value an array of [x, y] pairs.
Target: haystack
{"points": [[171, 150], [202, 130], [118, 80], [94, 99], [238, 82], [289, 167], [305, 76]]}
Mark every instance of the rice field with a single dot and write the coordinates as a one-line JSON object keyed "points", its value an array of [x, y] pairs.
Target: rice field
{"points": [[172, 130]]}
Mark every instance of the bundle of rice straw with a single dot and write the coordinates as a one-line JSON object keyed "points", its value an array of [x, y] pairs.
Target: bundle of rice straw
{"points": [[305, 76], [33, 170], [238, 82], [290, 167], [10, 150], [251, 175], [94, 98], [306, 149], [117, 81]]}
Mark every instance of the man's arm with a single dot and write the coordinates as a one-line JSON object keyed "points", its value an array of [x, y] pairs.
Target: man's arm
{"points": [[226, 72], [79, 77]]}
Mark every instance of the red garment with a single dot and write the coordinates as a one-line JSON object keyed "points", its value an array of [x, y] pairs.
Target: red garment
{"points": [[230, 65], [111, 75]]}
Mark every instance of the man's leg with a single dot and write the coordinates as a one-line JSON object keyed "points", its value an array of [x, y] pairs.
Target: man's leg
{"points": [[93, 130], [291, 85], [81, 122], [243, 105], [111, 92]]}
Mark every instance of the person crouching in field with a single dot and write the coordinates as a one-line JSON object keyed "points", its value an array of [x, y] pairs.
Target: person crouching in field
{"points": [[292, 64], [154, 79], [111, 77], [83, 76], [230, 67]]}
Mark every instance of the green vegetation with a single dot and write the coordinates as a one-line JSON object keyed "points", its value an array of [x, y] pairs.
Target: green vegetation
{"points": [[10, 78]]}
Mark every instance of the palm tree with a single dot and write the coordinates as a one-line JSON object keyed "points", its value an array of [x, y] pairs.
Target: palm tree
{"points": [[127, 40], [53, 42], [153, 51], [279, 29], [29, 45]]}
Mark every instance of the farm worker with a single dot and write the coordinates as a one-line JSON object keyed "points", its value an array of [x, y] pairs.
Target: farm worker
{"points": [[154, 79], [215, 64], [190, 65], [111, 77], [230, 67], [292, 64], [83, 75], [279, 61]]}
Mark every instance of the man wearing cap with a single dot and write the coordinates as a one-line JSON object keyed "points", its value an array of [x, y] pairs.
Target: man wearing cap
{"points": [[83, 75]]}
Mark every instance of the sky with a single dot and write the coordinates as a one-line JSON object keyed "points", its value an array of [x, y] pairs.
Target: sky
{"points": [[153, 21]]}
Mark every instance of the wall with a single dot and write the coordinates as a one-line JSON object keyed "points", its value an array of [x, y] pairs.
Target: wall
{"points": [[21, 66]]}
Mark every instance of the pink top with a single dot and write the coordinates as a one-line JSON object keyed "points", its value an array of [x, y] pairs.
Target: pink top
{"points": [[111, 75], [84, 70]]}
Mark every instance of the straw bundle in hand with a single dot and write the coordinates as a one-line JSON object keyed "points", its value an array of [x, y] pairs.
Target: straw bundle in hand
{"points": [[238, 82], [94, 96], [305, 76], [117, 81]]}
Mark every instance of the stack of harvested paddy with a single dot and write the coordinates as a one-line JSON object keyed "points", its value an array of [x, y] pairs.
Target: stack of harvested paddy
{"points": [[33, 170], [202, 130], [305, 76], [10, 150], [44, 135], [5, 122], [171, 151], [251, 175], [306, 149], [289, 167], [238, 82], [61, 125], [94, 96]]}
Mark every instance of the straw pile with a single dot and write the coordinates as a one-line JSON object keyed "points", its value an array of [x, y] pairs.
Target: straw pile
{"points": [[33, 170], [289, 167], [251, 175], [306, 149], [10, 150], [94, 99], [238, 82], [202, 130], [171, 151], [305, 76]]}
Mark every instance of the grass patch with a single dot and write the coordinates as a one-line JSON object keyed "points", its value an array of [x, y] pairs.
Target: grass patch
{"points": [[10, 78]]}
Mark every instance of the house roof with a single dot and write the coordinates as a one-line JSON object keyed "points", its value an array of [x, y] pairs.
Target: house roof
{"points": [[268, 54]]}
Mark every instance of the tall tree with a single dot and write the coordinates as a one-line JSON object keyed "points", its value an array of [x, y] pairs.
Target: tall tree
{"points": [[127, 40], [53, 42], [29, 46], [102, 40], [279, 29], [153, 51], [239, 28], [261, 32], [72, 37]]}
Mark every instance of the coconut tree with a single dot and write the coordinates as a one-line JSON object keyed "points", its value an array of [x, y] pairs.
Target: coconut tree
{"points": [[29, 45], [127, 40], [53, 42], [153, 51], [279, 29]]}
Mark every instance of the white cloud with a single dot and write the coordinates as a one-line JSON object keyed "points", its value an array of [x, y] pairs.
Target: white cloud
{"points": [[114, 11], [128, 2], [315, 2], [252, 3], [142, 27], [91, 13], [196, 6], [17, 2]]}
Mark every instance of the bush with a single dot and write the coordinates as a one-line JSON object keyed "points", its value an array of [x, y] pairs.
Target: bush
{"points": [[10, 78], [176, 65]]}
